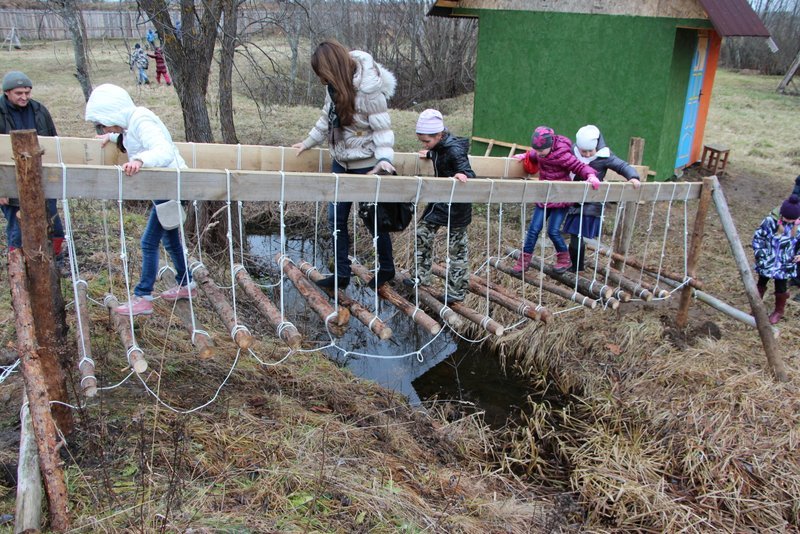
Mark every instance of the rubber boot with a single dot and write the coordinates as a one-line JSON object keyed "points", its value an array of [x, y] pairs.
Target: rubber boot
{"points": [[384, 276], [780, 307], [563, 263], [761, 290], [576, 254], [523, 262]]}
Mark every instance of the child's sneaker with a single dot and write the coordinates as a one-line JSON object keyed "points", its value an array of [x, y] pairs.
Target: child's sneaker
{"points": [[138, 306], [180, 292]]}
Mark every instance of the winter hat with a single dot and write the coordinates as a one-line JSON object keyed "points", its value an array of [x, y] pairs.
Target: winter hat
{"points": [[790, 209], [137, 45], [542, 138], [430, 122], [15, 79], [586, 138]]}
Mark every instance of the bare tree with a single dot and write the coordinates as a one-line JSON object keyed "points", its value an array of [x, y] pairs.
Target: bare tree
{"points": [[70, 12], [230, 20]]}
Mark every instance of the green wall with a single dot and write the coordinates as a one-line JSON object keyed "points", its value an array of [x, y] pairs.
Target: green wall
{"points": [[627, 75]]}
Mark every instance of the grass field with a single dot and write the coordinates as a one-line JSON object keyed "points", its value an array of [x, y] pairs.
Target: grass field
{"points": [[664, 430]]}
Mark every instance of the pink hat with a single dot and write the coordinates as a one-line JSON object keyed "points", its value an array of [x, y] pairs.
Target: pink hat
{"points": [[430, 122], [542, 138]]}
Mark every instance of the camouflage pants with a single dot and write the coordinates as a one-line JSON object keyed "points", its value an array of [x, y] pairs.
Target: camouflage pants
{"points": [[458, 276]]}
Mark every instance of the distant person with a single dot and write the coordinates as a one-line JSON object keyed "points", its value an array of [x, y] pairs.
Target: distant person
{"points": [[18, 111], [151, 39], [775, 245], [584, 220], [161, 66], [551, 156], [450, 156], [139, 62], [355, 122], [178, 30], [148, 143]]}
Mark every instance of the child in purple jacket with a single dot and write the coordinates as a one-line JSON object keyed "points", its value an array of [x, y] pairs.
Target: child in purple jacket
{"points": [[551, 156]]}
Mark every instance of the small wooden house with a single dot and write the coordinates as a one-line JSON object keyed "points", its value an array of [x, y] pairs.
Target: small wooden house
{"points": [[634, 68]]}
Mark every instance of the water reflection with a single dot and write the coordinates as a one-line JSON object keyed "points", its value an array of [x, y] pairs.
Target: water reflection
{"points": [[412, 361]]}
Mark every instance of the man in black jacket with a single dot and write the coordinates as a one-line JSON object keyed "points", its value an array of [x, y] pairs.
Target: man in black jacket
{"points": [[18, 111]]}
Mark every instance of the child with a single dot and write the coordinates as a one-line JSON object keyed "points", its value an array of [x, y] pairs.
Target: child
{"points": [[775, 248], [551, 156], [161, 66], [590, 148], [139, 62], [148, 144], [449, 155]]}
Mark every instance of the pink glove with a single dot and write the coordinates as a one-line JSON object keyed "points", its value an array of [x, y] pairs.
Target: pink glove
{"points": [[520, 157], [594, 182]]}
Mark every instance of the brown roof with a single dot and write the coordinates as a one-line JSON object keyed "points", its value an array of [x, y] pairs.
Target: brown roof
{"points": [[734, 18]]}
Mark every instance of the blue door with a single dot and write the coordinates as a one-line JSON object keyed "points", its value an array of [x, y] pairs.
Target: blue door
{"points": [[692, 102]]}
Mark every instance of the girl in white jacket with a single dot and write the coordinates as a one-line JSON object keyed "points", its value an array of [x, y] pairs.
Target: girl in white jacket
{"points": [[148, 144], [355, 122]]}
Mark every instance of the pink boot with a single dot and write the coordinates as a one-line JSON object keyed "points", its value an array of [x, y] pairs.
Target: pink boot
{"points": [[780, 307], [523, 262], [563, 263]]}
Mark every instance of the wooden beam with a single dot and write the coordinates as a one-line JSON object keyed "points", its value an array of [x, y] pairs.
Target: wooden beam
{"points": [[555, 289], [220, 303], [102, 182], [448, 315], [285, 329], [122, 325], [29, 478], [682, 316], [84, 340]]}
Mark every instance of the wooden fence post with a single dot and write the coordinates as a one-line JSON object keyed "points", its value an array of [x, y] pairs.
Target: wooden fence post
{"points": [[45, 298], [682, 317], [28, 517], [756, 305], [628, 209]]}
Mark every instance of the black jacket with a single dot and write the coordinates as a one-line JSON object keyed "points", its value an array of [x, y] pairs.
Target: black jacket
{"points": [[44, 122], [450, 156]]}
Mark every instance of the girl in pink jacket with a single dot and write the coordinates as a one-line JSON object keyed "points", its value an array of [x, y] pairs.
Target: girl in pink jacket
{"points": [[551, 156]]}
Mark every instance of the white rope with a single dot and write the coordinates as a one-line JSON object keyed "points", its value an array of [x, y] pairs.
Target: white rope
{"points": [[447, 246], [281, 204], [229, 235], [124, 254], [375, 245], [489, 237], [184, 251], [9, 370], [666, 232]]}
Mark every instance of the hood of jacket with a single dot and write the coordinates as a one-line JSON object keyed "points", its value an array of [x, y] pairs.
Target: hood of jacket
{"points": [[371, 76], [110, 105]]}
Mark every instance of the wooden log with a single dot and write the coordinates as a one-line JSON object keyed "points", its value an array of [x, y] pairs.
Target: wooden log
{"points": [[387, 293], [44, 425], [200, 338], [682, 315], [336, 320], [610, 302], [285, 329], [123, 327], [655, 292], [476, 285], [484, 321], [543, 314], [357, 310], [756, 304], [636, 264], [632, 287], [531, 279], [448, 315], [85, 364], [591, 288], [49, 316], [29, 478], [244, 340]]}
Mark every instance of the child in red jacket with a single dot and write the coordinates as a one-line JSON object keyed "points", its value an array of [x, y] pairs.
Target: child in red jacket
{"points": [[551, 156]]}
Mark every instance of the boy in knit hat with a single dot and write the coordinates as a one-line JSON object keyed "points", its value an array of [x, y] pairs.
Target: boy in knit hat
{"points": [[775, 245], [18, 111], [450, 159]]}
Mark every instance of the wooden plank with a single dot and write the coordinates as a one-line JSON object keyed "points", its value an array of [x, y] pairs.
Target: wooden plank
{"points": [[101, 182]]}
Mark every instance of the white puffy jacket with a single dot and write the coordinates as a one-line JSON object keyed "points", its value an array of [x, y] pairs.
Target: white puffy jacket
{"points": [[144, 135], [370, 138]]}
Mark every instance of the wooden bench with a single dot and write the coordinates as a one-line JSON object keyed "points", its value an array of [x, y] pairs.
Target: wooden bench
{"points": [[715, 159]]}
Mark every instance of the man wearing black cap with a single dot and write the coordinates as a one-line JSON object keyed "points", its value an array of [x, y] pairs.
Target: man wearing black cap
{"points": [[18, 111]]}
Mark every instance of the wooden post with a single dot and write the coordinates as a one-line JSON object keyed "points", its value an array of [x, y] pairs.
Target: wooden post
{"points": [[529, 278], [201, 340], [285, 330], [82, 333], [682, 317], [627, 212], [416, 314], [29, 478], [220, 304], [48, 306], [365, 317], [122, 325], [756, 305], [636, 264], [336, 320], [544, 314], [591, 288], [447, 314], [44, 425]]}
